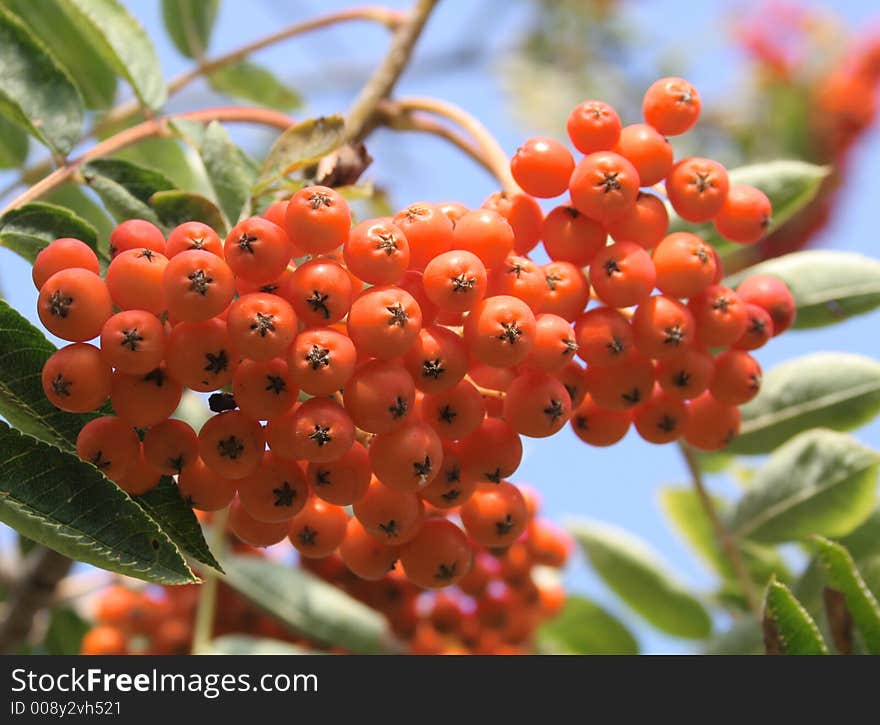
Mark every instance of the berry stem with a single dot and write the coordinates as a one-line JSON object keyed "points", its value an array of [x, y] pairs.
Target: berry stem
{"points": [[147, 129], [486, 392], [725, 539]]}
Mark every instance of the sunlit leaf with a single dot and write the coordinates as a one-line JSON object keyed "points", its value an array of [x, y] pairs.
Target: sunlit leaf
{"points": [[585, 628], [31, 227], [248, 81], [189, 23], [788, 628]]}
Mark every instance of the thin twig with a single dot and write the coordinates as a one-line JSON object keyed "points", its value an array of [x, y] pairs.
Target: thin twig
{"points": [[148, 129], [32, 592], [724, 538], [203, 628], [385, 77]]}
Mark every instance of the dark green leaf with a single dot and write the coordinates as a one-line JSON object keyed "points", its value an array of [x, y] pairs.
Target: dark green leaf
{"points": [[65, 633], [636, 574], [177, 207], [239, 644], [230, 173], [585, 628], [23, 351], [788, 628], [76, 198], [309, 606], [189, 23], [59, 501], [840, 391], [843, 575], [820, 482], [31, 227], [299, 146], [35, 91], [126, 188], [827, 286], [74, 48], [165, 506], [179, 163], [13, 145], [248, 81], [124, 45]]}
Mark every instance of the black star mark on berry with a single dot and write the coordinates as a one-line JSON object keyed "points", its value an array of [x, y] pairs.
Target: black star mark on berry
{"points": [[322, 477], [453, 475], [414, 212], [319, 199], [98, 460], [422, 469], [59, 304], [398, 410], [758, 327], [446, 572], [433, 368], [451, 495], [61, 386], [318, 357], [176, 463], [551, 280], [615, 347], [681, 379], [611, 268], [446, 414], [702, 254], [390, 529], [554, 411], [754, 382], [702, 181], [632, 397], [216, 362], [398, 315], [131, 339], [387, 243], [673, 335], [284, 494], [307, 536], [510, 332], [199, 282], [246, 242], [147, 254], [462, 283], [667, 423], [505, 526], [263, 324], [157, 376], [230, 447], [493, 476], [516, 269], [321, 435], [582, 423], [610, 182], [318, 303], [270, 288], [722, 304], [275, 384]]}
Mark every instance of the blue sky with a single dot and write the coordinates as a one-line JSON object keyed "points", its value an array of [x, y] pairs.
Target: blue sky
{"points": [[617, 485]]}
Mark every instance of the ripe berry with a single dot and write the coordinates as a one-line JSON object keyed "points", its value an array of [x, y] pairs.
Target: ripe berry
{"points": [[745, 215], [599, 426], [454, 413], [542, 167], [145, 400], [687, 375], [64, 253], [136, 234], [74, 304], [574, 379], [622, 386], [257, 250], [133, 341], [536, 404], [773, 295], [518, 277], [661, 418], [232, 444], [408, 458], [593, 126], [203, 489], [384, 322], [495, 515], [737, 378], [193, 235], [492, 452], [199, 355], [720, 316], [450, 487], [663, 328], [275, 491], [500, 331], [391, 516], [320, 291], [604, 337], [455, 281], [622, 274], [604, 186], [366, 556], [437, 360], [645, 223], [317, 219], [377, 252], [439, 555], [171, 446], [759, 329], [428, 231], [711, 425], [318, 529], [104, 640], [344, 481], [379, 396], [523, 214], [139, 478], [197, 285], [671, 105], [567, 290], [109, 444], [486, 234], [321, 430], [572, 237], [413, 282], [76, 378], [685, 265], [321, 360], [263, 390], [261, 326], [647, 150], [697, 188], [254, 532], [554, 343]]}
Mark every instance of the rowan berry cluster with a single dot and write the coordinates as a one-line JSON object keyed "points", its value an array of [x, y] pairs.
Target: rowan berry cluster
{"points": [[394, 366]]}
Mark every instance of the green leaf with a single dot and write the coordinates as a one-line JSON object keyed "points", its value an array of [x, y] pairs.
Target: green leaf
{"points": [[76, 198], [239, 644], [13, 145], [820, 482], [72, 46], [636, 574], [177, 207], [743, 638], [248, 81], [309, 606], [827, 286], [126, 188], [65, 632], [845, 577], [189, 23], [788, 626], [840, 391], [790, 186], [35, 91], [165, 506], [299, 146], [230, 173], [31, 227], [176, 160], [585, 628], [23, 352], [57, 500], [124, 45]]}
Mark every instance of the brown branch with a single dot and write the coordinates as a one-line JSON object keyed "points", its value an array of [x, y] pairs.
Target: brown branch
{"points": [[148, 129], [723, 537], [385, 77], [43, 569]]}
